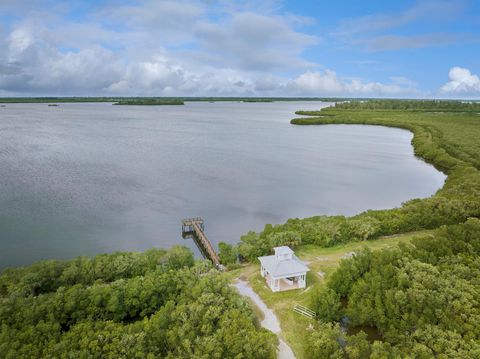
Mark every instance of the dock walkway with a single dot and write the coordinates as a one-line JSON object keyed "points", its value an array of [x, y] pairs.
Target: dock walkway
{"points": [[196, 227]]}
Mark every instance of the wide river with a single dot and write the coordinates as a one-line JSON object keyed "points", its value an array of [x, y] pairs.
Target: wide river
{"points": [[81, 179]]}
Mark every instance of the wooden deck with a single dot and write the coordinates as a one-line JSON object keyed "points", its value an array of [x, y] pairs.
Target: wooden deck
{"points": [[195, 227]]}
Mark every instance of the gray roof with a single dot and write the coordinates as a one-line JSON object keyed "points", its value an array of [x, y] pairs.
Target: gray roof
{"points": [[282, 250], [283, 268]]}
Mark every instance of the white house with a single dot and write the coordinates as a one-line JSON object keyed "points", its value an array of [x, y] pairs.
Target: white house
{"points": [[283, 270]]}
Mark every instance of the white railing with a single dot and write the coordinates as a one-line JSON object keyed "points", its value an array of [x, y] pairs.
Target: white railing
{"points": [[306, 312]]}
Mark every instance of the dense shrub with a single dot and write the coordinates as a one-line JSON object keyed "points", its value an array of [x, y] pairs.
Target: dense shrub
{"points": [[227, 253], [167, 306], [424, 297], [48, 276], [326, 303]]}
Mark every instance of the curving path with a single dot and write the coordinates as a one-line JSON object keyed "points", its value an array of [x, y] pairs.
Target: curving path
{"points": [[270, 320]]}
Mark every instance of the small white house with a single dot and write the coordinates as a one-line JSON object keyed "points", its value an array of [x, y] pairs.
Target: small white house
{"points": [[283, 270]]}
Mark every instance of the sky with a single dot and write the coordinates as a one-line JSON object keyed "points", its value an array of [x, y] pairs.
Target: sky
{"points": [[405, 49]]}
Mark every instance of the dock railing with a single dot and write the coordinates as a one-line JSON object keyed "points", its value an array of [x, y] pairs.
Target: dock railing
{"points": [[196, 226]]}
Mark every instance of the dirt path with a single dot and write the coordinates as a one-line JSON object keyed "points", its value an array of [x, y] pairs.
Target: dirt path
{"points": [[270, 320]]}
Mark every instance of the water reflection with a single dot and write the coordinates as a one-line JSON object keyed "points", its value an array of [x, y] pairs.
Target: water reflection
{"points": [[80, 179]]}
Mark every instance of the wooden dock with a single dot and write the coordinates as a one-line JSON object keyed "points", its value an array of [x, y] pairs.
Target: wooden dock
{"points": [[195, 227]]}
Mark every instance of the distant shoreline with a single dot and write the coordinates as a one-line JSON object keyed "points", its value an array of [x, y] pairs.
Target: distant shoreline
{"points": [[161, 99], [150, 102]]}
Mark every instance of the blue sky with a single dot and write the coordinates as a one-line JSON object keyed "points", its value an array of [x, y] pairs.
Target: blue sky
{"points": [[423, 48]]}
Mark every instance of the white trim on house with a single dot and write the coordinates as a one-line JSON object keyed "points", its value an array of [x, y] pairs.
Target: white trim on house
{"points": [[283, 270]]}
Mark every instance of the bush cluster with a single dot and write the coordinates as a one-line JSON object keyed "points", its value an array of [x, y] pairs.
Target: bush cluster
{"points": [[157, 304], [423, 297]]}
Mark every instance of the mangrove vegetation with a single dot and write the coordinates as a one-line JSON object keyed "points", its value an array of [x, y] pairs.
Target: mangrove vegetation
{"points": [[423, 297], [419, 294], [127, 305]]}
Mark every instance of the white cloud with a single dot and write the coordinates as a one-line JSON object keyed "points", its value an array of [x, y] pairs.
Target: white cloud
{"points": [[32, 64], [92, 68], [254, 42], [461, 82], [19, 41], [151, 48], [166, 21], [267, 83], [172, 48], [155, 77], [403, 81], [314, 83]]}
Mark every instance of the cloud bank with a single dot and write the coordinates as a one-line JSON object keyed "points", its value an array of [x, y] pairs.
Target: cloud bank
{"points": [[188, 48], [461, 82]]}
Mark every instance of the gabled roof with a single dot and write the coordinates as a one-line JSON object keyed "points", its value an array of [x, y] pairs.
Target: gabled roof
{"points": [[283, 268]]}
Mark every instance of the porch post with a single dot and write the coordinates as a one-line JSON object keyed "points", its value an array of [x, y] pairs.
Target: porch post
{"points": [[303, 280], [274, 284]]}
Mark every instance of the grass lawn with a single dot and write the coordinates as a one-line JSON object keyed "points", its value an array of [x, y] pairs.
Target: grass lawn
{"points": [[322, 262]]}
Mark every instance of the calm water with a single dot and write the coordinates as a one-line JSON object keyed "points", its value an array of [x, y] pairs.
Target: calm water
{"points": [[80, 179]]}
